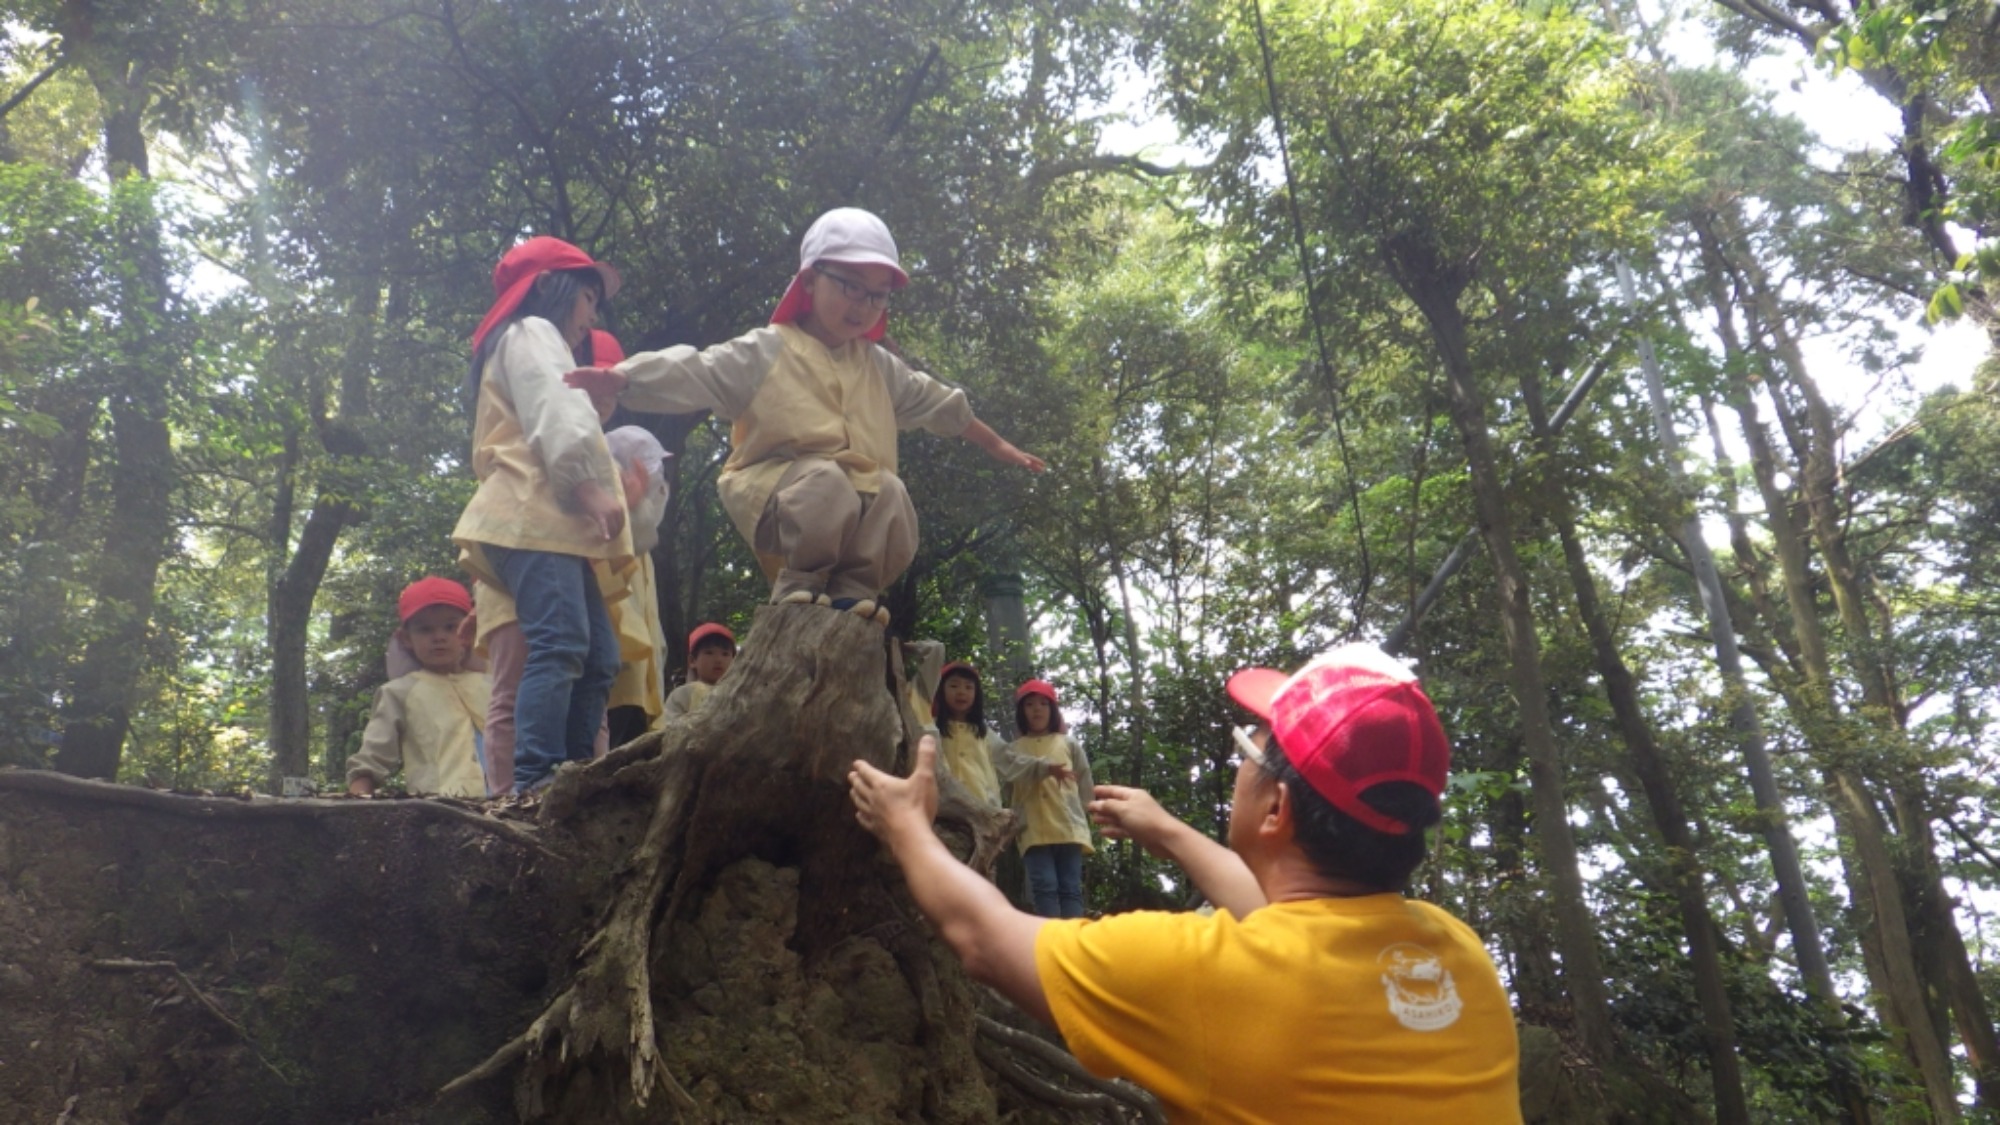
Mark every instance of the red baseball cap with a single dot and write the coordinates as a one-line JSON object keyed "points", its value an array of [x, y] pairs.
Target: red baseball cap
{"points": [[709, 629], [1350, 720], [519, 268], [844, 234], [604, 348], [427, 592]]}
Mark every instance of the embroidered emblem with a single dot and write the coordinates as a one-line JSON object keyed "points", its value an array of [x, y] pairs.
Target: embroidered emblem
{"points": [[1421, 994]]}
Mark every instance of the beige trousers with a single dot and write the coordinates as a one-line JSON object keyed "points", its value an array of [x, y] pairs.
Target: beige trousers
{"points": [[834, 540]]}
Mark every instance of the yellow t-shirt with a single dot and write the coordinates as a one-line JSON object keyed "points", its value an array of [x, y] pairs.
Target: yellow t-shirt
{"points": [[1377, 1008]]}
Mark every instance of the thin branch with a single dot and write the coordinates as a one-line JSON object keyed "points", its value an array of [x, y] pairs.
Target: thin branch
{"points": [[123, 965], [21, 94]]}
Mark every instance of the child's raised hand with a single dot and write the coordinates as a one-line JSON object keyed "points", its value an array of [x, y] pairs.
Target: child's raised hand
{"points": [[602, 384], [602, 508]]}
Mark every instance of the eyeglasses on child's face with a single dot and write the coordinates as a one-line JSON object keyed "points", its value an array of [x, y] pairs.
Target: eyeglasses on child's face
{"points": [[853, 290]]}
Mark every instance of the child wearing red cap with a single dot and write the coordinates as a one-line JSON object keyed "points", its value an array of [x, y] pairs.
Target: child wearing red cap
{"points": [[427, 723], [1050, 772], [549, 503], [711, 650], [811, 479]]}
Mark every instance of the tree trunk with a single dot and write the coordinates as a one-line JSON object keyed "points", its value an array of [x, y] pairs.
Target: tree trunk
{"points": [[1718, 1028], [98, 712], [1576, 933], [1951, 984], [705, 931]]}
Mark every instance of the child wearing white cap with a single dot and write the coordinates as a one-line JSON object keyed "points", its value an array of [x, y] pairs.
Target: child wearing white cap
{"points": [[816, 400]]}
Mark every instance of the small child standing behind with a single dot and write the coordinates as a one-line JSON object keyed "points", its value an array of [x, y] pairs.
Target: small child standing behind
{"points": [[427, 723], [811, 477], [711, 650], [967, 749], [1046, 794], [638, 695], [549, 499]]}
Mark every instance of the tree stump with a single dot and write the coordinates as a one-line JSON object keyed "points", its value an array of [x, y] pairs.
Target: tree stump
{"points": [[691, 929]]}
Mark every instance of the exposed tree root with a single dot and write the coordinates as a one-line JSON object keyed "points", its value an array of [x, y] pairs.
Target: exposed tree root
{"points": [[999, 1044], [126, 965], [263, 808]]}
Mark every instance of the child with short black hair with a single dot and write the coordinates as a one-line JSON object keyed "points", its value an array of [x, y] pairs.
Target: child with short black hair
{"points": [[427, 724], [1056, 832], [711, 650]]}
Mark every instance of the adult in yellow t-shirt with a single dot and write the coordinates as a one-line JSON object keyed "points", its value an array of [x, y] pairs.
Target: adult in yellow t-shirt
{"points": [[1316, 992]]}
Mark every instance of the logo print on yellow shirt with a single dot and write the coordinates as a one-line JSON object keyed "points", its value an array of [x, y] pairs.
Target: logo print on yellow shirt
{"points": [[1421, 995]]}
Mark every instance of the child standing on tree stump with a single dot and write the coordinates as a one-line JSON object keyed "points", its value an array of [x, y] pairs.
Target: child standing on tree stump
{"points": [[1046, 794], [816, 401], [427, 724], [549, 500]]}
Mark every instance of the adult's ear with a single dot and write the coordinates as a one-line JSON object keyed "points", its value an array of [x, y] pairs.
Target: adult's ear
{"points": [[1276, 813]]}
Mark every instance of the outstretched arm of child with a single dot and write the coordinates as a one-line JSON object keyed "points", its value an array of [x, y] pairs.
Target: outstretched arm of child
{"points": [[681, 379], [1000, 449]]}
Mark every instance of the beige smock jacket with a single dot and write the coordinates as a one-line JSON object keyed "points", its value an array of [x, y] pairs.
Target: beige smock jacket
{"points": [[790, 396], [1051, 810], [427, 725], [533, 441], [641, 643], [687, 699], [971, 759]]}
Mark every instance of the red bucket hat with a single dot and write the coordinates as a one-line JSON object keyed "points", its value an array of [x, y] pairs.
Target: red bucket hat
{"points": [[844, 234], [1350, 720], [427, 592], [519, 268], [709, 629], [604, 348], [1042, 688]]}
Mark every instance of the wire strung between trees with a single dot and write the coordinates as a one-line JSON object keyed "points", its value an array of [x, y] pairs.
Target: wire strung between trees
{"points": [[1333, 391]]}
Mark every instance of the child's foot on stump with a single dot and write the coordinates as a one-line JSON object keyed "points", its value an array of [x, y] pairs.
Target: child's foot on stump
{"points": [[802, 597], [863, 607]]}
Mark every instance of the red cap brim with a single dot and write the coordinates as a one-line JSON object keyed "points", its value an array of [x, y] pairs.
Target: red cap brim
{"points": [[1254, 688]]}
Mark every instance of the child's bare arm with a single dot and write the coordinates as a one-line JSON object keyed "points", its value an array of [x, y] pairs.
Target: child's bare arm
{"points": [[1000, 449]]}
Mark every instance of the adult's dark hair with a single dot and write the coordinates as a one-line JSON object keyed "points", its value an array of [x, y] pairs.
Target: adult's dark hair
{"points": [[975, 716], [553, 298], [1056, 723], [1343, 847]]}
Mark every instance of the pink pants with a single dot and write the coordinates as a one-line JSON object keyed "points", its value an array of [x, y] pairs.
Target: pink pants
{"points": [[506, 654]]}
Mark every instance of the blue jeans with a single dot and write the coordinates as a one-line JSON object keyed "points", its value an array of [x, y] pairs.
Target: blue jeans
{"points": [[1055, 879], [572, 659]]}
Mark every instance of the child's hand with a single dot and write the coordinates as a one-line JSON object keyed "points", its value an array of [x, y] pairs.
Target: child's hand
{"points": [[1061, 772], [1131, 814], [602, 384], [602, 508], [889, 806], [1007, 454]]}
